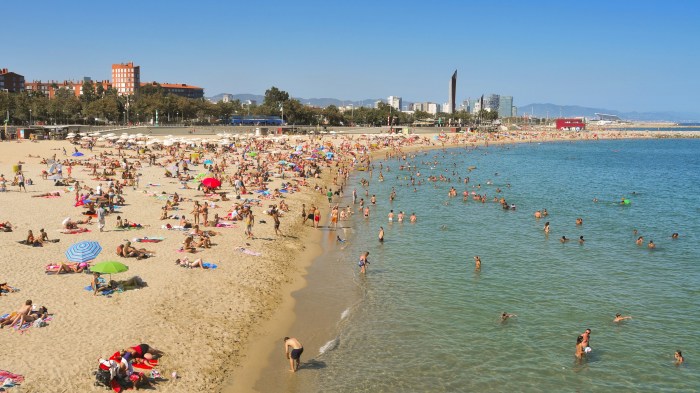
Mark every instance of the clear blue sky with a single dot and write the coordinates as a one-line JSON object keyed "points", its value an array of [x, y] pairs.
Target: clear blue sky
{"points": [[624, 55]]}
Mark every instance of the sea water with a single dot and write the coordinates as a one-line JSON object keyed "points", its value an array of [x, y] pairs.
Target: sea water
{"points": [[423, 320]]}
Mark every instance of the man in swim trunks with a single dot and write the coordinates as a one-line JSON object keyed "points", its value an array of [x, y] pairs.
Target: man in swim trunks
{"points": [[294, 355]]}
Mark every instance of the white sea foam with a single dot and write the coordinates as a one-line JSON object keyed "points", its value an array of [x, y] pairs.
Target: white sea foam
{"points": [[330, 345]]}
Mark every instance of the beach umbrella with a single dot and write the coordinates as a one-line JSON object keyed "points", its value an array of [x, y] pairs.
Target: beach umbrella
{"points": [[208, 162], [211, 182], [83, 251], [109, 267], [77, 154]]}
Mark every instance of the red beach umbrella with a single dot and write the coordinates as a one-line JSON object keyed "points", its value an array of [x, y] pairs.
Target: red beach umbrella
{"points": [[211, 182]]}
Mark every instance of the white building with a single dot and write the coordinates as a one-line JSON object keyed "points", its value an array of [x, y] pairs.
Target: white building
{"points": [[394, 102]]}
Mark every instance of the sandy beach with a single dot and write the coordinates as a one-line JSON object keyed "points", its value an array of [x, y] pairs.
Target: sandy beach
{"points": [[216, 327]]}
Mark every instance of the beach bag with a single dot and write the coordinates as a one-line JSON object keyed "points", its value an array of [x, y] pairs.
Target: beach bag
{"points": [[103, 378], [39, 323]]}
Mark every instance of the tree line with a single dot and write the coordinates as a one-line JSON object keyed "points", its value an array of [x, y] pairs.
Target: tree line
{"points": [[98, 106]]}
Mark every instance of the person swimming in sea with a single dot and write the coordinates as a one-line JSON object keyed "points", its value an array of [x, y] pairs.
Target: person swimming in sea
{"points": [[619, 317], [505, 316], [679, 357]]}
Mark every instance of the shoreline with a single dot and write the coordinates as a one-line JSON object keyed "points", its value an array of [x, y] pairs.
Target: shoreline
{"points": [[291, 316]]}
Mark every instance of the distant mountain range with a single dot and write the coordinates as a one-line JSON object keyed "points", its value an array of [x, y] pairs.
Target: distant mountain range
{"points": [[537, 110], [317, 102], [553, 111]]}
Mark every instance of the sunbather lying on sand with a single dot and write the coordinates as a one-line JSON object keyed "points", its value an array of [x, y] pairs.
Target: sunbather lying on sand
{"points": [[5, 226], [67, 268], [70, 224], [47, 194], [186, 263], [4, 288], [125, 250], [17, 315]]}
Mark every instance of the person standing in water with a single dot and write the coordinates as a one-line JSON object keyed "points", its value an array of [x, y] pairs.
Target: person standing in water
{"points": [[477, 263], [363, 262], [293, 350], [381, 234]]}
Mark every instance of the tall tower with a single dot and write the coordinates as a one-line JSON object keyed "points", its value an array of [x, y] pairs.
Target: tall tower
{"points": [[453, 92]]}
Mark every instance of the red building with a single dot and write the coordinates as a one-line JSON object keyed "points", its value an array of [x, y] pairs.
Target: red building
{"points": [[76, 87], [126, 78], [179, 89], [571, 124], [10, 81]]}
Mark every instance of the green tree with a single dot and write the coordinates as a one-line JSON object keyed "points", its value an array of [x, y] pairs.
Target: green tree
{"points": [[274, 97], [88, 95]]}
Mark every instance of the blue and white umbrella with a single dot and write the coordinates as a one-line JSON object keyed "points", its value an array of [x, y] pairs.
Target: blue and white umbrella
{"points": [[77, 154], [83, 251]]}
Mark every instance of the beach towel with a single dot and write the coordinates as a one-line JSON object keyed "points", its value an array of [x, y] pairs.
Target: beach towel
{"points": [[225, 225], [150, 239], [24, 242], [51, 196], [128, 229], [4, 375], [145, 364], [208, 265], [249, 252], [103, 292]]}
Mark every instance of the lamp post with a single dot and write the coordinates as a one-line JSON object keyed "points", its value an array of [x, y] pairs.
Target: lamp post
{"points": [[30, 118], [282, 109], [177, 117]]}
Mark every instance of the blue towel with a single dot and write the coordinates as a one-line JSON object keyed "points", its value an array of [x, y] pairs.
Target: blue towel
{"points": [[102, 292], [209, 265]]}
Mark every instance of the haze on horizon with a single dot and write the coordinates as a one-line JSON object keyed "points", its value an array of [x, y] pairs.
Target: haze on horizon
{"points": [[621, 55]]}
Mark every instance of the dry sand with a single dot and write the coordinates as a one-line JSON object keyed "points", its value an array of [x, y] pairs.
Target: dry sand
{"points": [[208, 322]]}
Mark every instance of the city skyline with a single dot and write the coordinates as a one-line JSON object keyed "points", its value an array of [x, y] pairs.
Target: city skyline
{"points": [[621, 55]]}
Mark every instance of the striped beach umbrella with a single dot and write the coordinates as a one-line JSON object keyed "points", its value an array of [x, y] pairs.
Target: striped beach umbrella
{"points": [[83, 251]]}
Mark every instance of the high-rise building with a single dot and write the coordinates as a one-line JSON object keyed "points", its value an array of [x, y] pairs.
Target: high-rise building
{"points": [[505, 106], [394, 102], [432, 108], [453, 92], [126, 78], [491, 102], [10, 81], [514, 111], [476, 108]]}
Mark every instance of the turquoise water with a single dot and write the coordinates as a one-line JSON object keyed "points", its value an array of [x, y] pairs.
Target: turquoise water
{"points": [[422, 319]]}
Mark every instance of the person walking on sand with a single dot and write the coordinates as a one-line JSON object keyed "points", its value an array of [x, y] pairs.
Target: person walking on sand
{"points": [[249, 222], [101, 218], [293, 350], [276, 218], [317, 217], [20, 181]]}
